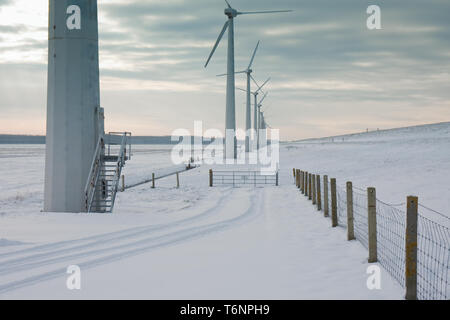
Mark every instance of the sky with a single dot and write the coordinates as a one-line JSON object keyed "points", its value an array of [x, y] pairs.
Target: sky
{"points": [[329, 73]]}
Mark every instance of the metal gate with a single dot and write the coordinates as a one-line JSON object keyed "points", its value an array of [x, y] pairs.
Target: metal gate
{"points": [[238, 178]]}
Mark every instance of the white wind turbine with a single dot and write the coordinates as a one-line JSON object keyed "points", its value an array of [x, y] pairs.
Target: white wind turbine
{"points": [[230, 115], [266, 125], [248, 117], [263, 130], [260, 119], [255, 107]]}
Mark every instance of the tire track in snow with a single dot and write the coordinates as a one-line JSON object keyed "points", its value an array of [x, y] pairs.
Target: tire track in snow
{"points": [[103, 238], [148, 244]]}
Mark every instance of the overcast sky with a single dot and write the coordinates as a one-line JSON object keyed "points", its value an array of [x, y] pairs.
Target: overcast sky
{"points": [[330, 74]]}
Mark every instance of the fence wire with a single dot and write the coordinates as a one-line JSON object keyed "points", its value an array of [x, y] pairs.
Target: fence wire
{"points": [[360, 219], [391, 229], [433, 260], [341, 194], [433, 248]]}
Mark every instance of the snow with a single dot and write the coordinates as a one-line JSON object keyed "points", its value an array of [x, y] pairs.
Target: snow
{"points": [[197, 242]]}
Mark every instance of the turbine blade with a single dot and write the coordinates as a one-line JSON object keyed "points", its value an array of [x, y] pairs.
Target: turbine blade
{"points": [[260, 88], [217, 42], [225, 74], [268, 79], [256, 83], [229, 6], [253, 57], [264, 97], [263, 12], [241, 89]]}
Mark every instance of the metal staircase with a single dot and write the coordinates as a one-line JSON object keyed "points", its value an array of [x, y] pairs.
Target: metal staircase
{"points": [[106, 169]]}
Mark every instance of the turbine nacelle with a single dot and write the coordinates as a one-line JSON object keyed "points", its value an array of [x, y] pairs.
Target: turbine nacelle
{"points": [[231, 13]]}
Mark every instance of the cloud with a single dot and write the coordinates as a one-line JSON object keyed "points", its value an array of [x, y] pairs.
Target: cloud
{"points": [[321, 58]]}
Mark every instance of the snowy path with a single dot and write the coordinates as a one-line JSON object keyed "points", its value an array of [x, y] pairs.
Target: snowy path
{"points": [[264, 243], [116, 245]]}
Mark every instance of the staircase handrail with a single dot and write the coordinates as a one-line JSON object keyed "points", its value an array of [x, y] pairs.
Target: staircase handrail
{"points": [[119, 166], [94, 172]]}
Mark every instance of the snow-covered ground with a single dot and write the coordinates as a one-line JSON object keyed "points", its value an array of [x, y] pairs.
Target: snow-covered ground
{"points": [[198, 242]]}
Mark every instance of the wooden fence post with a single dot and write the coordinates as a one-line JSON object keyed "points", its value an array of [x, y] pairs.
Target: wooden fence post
{"points": [[350, 226], [411, 248], [334, 219], [276, 180], [153, 181], [372, 221], [298, 178], [210, 177], [178, 180], [293, 172], [309, 187], [326, 208], [303, 182], [123, 183], [306, 183], [313, 177], [319, 194]]}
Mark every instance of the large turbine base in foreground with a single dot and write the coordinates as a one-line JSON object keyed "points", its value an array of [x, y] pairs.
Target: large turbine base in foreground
{"points": [[73, 102]]}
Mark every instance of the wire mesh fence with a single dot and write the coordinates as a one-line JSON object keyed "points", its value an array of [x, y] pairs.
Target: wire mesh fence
{"points": [[433, 260], [360, 218], [433, 247], [391, 229], [341, 194]]}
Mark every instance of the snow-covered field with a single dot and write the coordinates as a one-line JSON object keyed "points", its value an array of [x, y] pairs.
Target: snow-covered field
{"points": [[198, 242]]}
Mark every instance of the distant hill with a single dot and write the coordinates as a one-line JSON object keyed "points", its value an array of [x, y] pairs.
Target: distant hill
{"points": [[21, 139], [422, 129], [26, 139]]}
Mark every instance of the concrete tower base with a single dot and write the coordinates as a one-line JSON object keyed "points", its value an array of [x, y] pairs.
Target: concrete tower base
{"points": [[73, 102]]}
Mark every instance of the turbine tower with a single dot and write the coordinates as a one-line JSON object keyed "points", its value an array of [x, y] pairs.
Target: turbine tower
{"points": [[74, 116], [230, 114], [263, 130], [248, 111], [255, 107], [260, 119]]}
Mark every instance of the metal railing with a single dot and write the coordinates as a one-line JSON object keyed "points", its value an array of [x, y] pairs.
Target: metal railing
{"points": [[96, 167], [116, 139], [100, 193], [120, 163]]}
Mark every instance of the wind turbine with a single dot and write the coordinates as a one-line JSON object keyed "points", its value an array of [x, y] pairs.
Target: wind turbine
{"points": [[248, 117], [264, 112], [255, 108], [260, 118], [230, 114], [263, 130]]}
